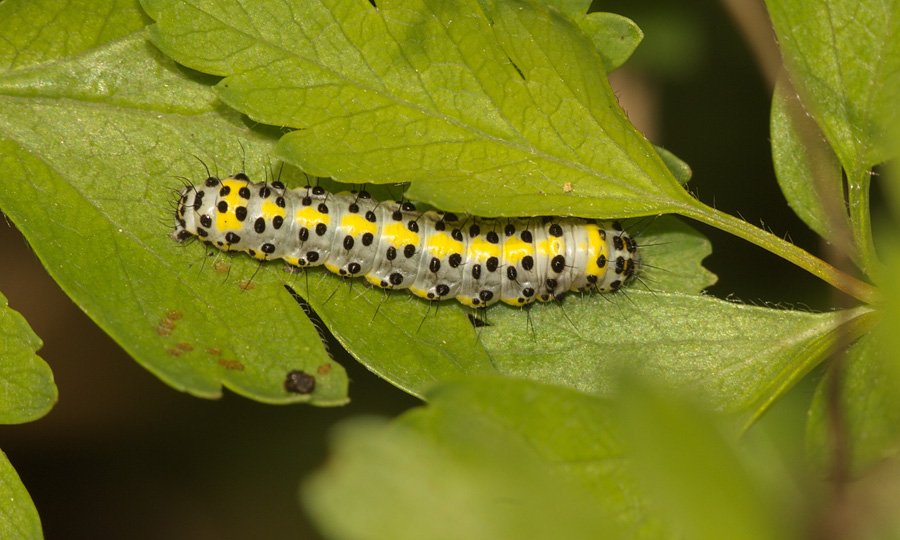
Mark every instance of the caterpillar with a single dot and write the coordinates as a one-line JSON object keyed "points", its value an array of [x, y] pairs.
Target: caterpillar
{"points": [[436, 255]]}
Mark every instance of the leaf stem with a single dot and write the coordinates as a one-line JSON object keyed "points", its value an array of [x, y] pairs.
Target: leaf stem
{"points": [[861, 222], [858, 289]]}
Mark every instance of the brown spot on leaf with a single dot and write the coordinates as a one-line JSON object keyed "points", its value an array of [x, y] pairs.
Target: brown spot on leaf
{"points": [[231, 364], [166, 323]]}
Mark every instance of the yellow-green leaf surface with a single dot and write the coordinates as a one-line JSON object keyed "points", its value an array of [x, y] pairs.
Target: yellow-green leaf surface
{"points": [[844, 60], [511, 115], [18, 518], [574, 9], [97, 133], [27, 390]]}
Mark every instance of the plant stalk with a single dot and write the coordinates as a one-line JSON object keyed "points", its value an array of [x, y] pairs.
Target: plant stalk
{"points": [[844, 282], [861, 223]]}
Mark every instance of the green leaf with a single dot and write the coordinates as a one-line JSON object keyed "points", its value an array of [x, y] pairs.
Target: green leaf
{"points": [[509, 117], [94, 148], [672, 254], [573, 9], [18, 518], [28, 391], [615, 37], [40, 31], [866, 397], [198, 329], [679, 169], [684, 462], [740, 359], [843, 57], [187, 320], [487, 459], [783, 353], [807, 169], [869, 403], [406, 341], [574, 435]]}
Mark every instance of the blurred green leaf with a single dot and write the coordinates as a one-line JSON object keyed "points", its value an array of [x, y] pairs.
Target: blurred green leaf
{"points": [[843, 57], [572, 433], [690, 470], [94, 147], [867, 398], [509, 117], [474, 461], [28, 391], [18, 518], [489, 459], [676, 42], [869, 407]]}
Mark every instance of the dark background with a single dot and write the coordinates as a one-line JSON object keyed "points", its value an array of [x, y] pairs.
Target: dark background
{"points": [[122, 455]]}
